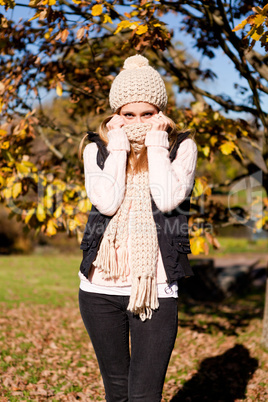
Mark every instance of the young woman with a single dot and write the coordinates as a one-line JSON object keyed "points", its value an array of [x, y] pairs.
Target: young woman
{"points": [[139, 173]]}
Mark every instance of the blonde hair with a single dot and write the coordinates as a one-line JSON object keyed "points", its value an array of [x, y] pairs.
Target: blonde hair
{"points": [[141, 163]]}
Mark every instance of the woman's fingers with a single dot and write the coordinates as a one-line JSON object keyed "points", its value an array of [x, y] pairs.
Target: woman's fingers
{"points": [[115, 122], [159, 122]]}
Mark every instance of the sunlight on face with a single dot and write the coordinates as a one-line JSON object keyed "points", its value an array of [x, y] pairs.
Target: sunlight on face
{"points": [[137, 112]]}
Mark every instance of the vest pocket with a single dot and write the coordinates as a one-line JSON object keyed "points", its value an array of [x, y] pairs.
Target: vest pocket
{"points": [[182, 245]]}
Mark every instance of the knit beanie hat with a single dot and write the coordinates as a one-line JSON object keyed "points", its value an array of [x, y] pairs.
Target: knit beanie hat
{"points": [[138, 82]]}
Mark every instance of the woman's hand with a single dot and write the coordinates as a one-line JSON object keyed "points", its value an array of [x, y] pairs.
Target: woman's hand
{"points": [[115, 122], [159, 122]]}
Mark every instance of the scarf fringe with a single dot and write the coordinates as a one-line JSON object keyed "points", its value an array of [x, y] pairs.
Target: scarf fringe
{"points": [[108, 263], [143, 299]]}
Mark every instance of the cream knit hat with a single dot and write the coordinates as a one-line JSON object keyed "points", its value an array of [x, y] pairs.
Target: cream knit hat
{"points": [[138, 82]]}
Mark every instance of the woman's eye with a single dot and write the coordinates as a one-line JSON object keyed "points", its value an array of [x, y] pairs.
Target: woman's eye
{"points": [[128, 115], [148, 114]]}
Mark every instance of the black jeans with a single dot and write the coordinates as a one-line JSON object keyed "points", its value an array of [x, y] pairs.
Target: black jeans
{"points": [[108, 322]]}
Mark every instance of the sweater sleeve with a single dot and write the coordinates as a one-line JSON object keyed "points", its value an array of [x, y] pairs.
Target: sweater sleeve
{"points": [[106, 187], [170, 182]]}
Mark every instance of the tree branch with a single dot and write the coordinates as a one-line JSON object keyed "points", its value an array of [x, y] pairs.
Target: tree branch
{"points": [[58, 154], [181, 71], [258, 62], [219, 19]]}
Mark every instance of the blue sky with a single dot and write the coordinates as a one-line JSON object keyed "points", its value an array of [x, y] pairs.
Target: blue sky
{"points": [[221, 65]]}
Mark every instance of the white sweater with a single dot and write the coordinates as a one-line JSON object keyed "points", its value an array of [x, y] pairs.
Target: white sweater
{"points": [[170, 184]]}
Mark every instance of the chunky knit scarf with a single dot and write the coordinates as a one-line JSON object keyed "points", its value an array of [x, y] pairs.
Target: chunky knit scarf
{"points": [[135, 216]]}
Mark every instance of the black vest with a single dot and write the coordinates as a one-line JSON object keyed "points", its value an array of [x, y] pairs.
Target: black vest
{"points": [[172, 227]]}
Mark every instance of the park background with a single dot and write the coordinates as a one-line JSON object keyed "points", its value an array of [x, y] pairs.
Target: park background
{"points": [[55, 77]]}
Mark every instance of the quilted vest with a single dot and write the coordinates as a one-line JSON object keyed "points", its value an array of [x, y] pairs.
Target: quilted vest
{"points": [[172, 227]]}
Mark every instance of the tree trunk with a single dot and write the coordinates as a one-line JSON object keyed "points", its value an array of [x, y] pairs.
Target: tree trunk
{"points": [[264, 340]]}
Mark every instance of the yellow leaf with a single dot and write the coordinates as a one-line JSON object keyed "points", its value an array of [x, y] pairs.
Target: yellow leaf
{"points": [[2, 181], [16, 190], [206, 150], [107, 18], [79, 220], [35, 177], [213, 140], [3, 133], [22, 133], [142, 29], [5, 145], [7, 192], [84, 205], [227, 147], [259, 19], [197, 245], [49, 201], [256, 36], [251, 32], [40, 213], [198, 232], [72, 224], [59, 89], [241, 25], [239, 153], [68, 210], [34, 17], [201, 187], [30, 165], [259, 224], [51, 2], [123, 25], [51, 228], [96, 10], [29, 215], [59, 184], [22, 168], [76, 1], [58, 212], [47, 35]]}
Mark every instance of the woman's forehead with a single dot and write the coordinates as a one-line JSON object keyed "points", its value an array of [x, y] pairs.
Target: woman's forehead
{"points": [[138, 107]]}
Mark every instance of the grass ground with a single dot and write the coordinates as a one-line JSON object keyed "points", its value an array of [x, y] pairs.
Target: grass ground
{"points": [[230, 245], [46, 353]]}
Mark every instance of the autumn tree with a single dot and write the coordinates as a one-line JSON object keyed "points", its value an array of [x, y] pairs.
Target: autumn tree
{"points": [[258, 22], [74, 49]]}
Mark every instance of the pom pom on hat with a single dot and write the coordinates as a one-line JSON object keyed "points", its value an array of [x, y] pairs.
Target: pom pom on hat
{"points": [[135, 62], [138, 82]]}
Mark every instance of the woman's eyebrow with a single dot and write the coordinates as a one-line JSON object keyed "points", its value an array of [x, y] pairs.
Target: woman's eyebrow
{"points": [[131, 112]]}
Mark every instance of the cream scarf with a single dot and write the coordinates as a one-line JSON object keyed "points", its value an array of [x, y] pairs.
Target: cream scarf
{"points": [[135, 215]]}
